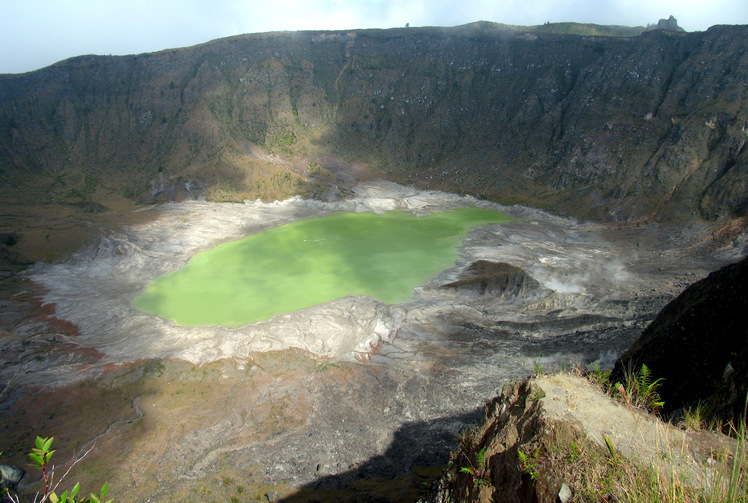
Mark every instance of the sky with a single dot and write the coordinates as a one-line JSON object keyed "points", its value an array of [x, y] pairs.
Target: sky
{"points": [[38, 33]]}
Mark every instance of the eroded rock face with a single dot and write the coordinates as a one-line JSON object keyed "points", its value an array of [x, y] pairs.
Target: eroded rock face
{"points": [[698, 346], [498, 279], [610, 128]]}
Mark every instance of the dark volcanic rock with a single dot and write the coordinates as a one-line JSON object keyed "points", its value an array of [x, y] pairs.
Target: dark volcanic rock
{"points": [[669, 24], [9, 238], [496, 278], [10, 476], [699, 345]]}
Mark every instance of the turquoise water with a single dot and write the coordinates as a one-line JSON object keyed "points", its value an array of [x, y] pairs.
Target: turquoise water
{"points": [[312, 261]]}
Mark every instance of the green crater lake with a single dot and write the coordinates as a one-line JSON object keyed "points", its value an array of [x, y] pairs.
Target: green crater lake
{"points": [[310, 262]]}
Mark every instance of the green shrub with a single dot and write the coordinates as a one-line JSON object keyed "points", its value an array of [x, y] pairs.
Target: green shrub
{"points": [[639, 390], [40, 456]]}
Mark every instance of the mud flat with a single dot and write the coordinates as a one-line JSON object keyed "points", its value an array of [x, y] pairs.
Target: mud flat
{"points": [[350, 396]]}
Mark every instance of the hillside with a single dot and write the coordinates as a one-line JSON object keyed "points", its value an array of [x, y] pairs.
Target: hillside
{"points": [[608, 128], [559, 438]]}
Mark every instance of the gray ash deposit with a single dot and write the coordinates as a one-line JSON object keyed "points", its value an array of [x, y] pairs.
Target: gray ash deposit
{"points": [[325, 398]]}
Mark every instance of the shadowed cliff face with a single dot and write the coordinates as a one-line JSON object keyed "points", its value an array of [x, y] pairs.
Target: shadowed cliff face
{"points": [[697, 345], [603, 128]]}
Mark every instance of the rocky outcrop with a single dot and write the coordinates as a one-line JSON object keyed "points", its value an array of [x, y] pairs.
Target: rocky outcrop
{"points": [[496, 279], [698, 345], [669, 24], [545, 439], [610, 128]]}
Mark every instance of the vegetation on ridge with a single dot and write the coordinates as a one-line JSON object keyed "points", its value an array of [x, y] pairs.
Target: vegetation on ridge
{"points": [[557, 461]]}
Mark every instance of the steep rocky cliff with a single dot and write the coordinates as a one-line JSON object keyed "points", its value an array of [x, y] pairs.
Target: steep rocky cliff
{"points": [[697, 345], [611, 128]]}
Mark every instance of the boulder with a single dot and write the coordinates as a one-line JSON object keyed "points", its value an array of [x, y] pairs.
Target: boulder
{"points": [[11, 476]]}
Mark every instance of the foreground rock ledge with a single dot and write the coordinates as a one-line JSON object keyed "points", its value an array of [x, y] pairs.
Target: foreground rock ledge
{"points": [[562, 416]]}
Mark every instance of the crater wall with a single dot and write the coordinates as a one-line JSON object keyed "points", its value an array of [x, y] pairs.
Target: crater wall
{"points": [[651, 126]]}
